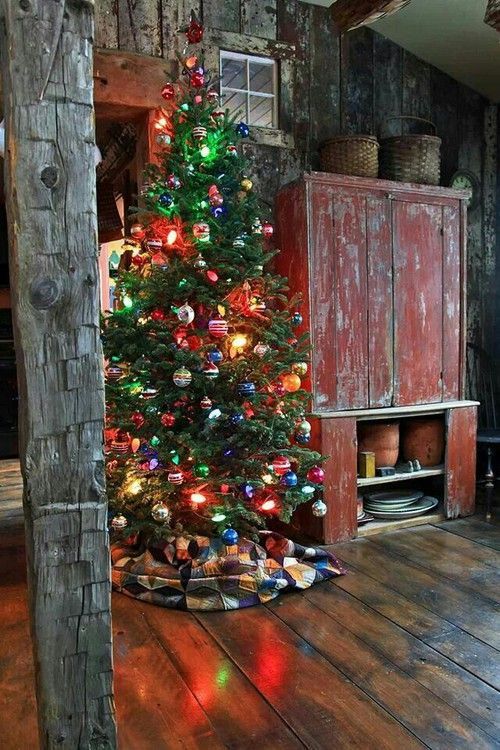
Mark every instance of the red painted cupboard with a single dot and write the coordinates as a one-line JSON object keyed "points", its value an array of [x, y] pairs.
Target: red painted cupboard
{"points": [[381, 268]]}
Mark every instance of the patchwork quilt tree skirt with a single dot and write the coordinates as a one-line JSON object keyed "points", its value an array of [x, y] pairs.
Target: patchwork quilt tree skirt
{"points": [[205, 574]]}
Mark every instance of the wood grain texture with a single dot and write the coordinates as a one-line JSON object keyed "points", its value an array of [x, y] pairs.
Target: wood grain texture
{"points": [[128, 80], [106, 24], [416, 92], [475, 529], [325, 79], [452, 303], [139, 26], [222, 14], [339, 442], [54, 282], [357, 81], [460, 495], [444, 114], [258, 18], [387, 86]]}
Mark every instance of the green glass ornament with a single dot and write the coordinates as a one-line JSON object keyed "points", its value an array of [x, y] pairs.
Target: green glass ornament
{"points": [[201, 470]]}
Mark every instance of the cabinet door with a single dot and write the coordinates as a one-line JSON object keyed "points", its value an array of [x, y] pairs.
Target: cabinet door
{"points": [[418, 302]]}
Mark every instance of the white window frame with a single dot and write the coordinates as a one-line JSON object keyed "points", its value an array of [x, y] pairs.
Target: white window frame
{"points": [[248, 92]]}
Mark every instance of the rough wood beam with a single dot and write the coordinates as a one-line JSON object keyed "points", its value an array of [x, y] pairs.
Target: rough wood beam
{"points": [[47, 47], [129, 80]]}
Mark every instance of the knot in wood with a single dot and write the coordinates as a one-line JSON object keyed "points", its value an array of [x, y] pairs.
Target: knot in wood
{"points": [[44, 293], [50, 176], [24, 5]]}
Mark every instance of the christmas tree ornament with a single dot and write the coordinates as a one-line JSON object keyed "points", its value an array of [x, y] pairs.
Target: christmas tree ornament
{"points": [[120, 443], [167, 419], [201, 231], [316, 475], [198, 498], [267, 229], [261, 349], [199, 263], [215, 356], [199, 132], [137, 231], [175, 477], [201, 471], [182, 377], [194, 343], [279, 389], [119, 522], [237, 418], [319, 508], [243, 130], [216, 199], [246, 389], [154, 244], [280, 465], [302, 438], [113, 373], [168, 92], [300, 368], [239, 242], [289, 479], [165, 200], [304, 427], [149, 393], [197, 78], [157, 315], [257, 226], [185, 314], [212, 190], [232, 150], [160, 513], [206, 403], [246, 184], [218, 327], [229, 537], [212, 96], [210, 370], [174, 183], [163, 139], [138, 419], [296, 319], [218, 116], [180, 334], [194, 32], [291, 382]]}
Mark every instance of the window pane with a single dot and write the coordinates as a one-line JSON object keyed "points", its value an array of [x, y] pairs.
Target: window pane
{"points": [[235, 102], [261, 111], [261, 77], [234, 73]]}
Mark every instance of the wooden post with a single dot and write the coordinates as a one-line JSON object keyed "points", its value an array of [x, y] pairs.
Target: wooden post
{"points": [[50, 178]]}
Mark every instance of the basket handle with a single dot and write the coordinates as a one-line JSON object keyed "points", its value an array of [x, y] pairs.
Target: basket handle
{"points": [[410, 117]]}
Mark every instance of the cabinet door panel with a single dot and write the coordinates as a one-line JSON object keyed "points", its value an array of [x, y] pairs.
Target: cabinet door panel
{"points": [[418, 302], [380, 308], [452, 303]]}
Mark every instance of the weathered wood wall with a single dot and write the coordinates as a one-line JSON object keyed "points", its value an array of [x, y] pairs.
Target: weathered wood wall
{"points": [[339, 84]]}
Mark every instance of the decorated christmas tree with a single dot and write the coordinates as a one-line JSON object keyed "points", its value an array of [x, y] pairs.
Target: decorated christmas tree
{"points": [[207, 430]]}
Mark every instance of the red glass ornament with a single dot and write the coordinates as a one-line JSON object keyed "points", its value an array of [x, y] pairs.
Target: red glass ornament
{"points": [[180, 334], [212, 96], [213, 190], [194, 32], [194, 342], [218, 327], [137, 419], [279, 388], [216, 199], [137, 231], [316, 475], [167, 419], [197, 79], [206, 403], [139, 260], [157, 315], [281, 465], [267, 229], [168, 92], [154, 244]]}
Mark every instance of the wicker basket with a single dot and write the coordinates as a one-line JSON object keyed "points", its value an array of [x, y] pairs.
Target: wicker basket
{"points": [[350, 14], [350, 154], [492, 16], [411, 158]]}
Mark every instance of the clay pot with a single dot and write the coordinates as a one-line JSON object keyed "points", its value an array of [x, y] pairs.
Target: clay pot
{"points": [[423, 439], [382, 438]]}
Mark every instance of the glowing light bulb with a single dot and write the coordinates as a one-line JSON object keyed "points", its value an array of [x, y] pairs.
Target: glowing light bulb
{"points": [[171, 237], [161, 123], [135, 487], [127, 301], [218, 518], [267, 478], [239, 341], [197, 497], [268, 505], [204, 152]]}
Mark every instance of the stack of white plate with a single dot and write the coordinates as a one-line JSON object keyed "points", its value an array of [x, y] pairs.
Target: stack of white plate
{"points": [[398, 504]]}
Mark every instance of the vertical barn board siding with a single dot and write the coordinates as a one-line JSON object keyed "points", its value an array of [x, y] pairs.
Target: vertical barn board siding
{"points": [[222, 14], [54, 274], [350, 295], [357, 81], [339, 441], [490, 167], [323, 304], [258, 18], [444, 113], [460, 491], [418, 314], [416, 92], [451, 302], [263, 168], [106, 24], [325, 79], [387, 85], [379, 296], [139, 26]]}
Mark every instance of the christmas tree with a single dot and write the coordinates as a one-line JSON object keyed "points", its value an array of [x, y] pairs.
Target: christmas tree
{"points": [[206, 426]]}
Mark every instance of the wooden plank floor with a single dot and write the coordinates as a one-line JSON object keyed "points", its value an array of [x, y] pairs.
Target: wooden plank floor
{"points": [[401, 653]]}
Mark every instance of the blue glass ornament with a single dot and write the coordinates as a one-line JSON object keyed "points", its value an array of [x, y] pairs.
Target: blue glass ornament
{"points": [[165, 199], [215, 356], [237, 418], [289, 479], [296, 319], [243, 129], [246, 389], [229, 537], [302, 438]]}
